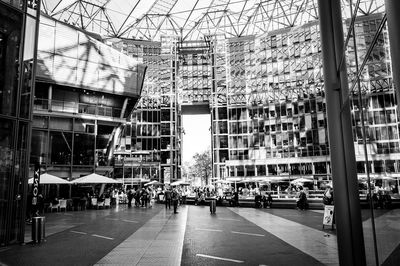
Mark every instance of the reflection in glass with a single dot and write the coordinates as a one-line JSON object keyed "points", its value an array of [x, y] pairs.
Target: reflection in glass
{"points": [[83, 149]]}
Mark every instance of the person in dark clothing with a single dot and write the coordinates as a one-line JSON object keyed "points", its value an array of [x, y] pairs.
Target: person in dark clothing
{"points": [[257, 200], [137, 198], [236, 198], [175, 199], [302, 201], [167, 196], [144, 195], [130, 197], [267, 200]]}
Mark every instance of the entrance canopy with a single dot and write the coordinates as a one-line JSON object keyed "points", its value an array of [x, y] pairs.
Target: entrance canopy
{"points": [[95, 179], [50, 179]]}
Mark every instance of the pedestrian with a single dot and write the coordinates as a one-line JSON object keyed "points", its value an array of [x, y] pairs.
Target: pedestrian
{"points": [[137, 198], [175, 199], [236, 199], [130, 196], [302, 200], [144, 196], [167, 195], [257, 200], [269, 200]]}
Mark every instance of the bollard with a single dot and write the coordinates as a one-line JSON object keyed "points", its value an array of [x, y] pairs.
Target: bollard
{"points": [[38, 229]]}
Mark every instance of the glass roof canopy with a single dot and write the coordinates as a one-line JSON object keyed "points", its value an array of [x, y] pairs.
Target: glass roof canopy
{"points": [[192, 19]]}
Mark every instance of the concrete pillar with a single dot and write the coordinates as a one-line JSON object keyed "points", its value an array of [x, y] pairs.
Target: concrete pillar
{"points": [[344, 173], [393, 22]]}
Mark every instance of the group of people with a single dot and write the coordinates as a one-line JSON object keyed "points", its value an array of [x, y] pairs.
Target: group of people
{"points": [[174, 196], [142, 197], [263, 200]]}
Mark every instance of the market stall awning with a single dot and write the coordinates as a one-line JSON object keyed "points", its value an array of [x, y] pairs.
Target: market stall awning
{"points": [[95, 179], [50, 179]]}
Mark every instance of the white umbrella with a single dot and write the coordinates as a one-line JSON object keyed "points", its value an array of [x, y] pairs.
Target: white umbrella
{"points": [[154, 182], [301, 180], [179, 182], [95, 179], [384, 177], [50, 179]]}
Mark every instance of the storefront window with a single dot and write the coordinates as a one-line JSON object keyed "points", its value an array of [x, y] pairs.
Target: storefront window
{"points": [[83, 149], [60, 148]]}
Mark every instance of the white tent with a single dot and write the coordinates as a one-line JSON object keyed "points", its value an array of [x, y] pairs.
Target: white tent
{"points": [[50, 179], [95, 179]]}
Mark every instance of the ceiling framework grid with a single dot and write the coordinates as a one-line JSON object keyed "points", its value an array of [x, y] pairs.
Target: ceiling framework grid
{"points": [[192, 19]]}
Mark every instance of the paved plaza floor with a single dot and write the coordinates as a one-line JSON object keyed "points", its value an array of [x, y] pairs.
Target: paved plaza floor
{"points": [[193, 236]]}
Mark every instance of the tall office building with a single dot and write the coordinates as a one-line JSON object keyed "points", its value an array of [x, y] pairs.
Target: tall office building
{"points": [[266, 97]]}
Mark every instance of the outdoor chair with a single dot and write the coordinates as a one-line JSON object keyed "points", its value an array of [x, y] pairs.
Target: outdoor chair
{"points": [[63, 205], [100, 204], [107, 203], [54, 206]]}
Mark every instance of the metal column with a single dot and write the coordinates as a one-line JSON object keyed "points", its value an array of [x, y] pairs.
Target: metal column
{"points": [[344, 174], [393, 22]]}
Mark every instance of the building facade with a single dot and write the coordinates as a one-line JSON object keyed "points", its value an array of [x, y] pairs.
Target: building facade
{"points": [[85, 91], [18, 25], [266, 98], [156, 123]]}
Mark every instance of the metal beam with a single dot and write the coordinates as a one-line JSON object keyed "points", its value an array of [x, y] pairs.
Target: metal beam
{"points": [[344, 174]]}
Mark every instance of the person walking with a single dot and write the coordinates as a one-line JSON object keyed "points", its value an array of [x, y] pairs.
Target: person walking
{"points": [[175, 199]]}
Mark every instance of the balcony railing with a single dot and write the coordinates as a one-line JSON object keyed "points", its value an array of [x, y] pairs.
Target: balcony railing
{"points": [[75, 108]]}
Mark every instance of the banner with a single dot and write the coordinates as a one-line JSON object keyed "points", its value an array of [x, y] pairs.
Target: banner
{"points": [[36, 181], [328, 215], [167, 175]]}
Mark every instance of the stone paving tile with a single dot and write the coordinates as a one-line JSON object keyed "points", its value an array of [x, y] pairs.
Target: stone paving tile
{"points": [[295, 234], [160, 243]]}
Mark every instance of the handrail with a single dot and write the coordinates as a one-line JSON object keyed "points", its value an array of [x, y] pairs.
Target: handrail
{"points": [[75, 108]]}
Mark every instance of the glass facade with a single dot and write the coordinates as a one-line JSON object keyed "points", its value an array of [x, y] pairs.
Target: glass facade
{"points": [[18, 24], [156, 124], [266, 96]]}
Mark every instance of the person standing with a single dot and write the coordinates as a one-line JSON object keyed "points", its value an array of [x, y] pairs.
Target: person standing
{"points": [[144, 196], [302, 200], [137, 198], [236, 199], [130, 196], [167, 195], [175, 199]]}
